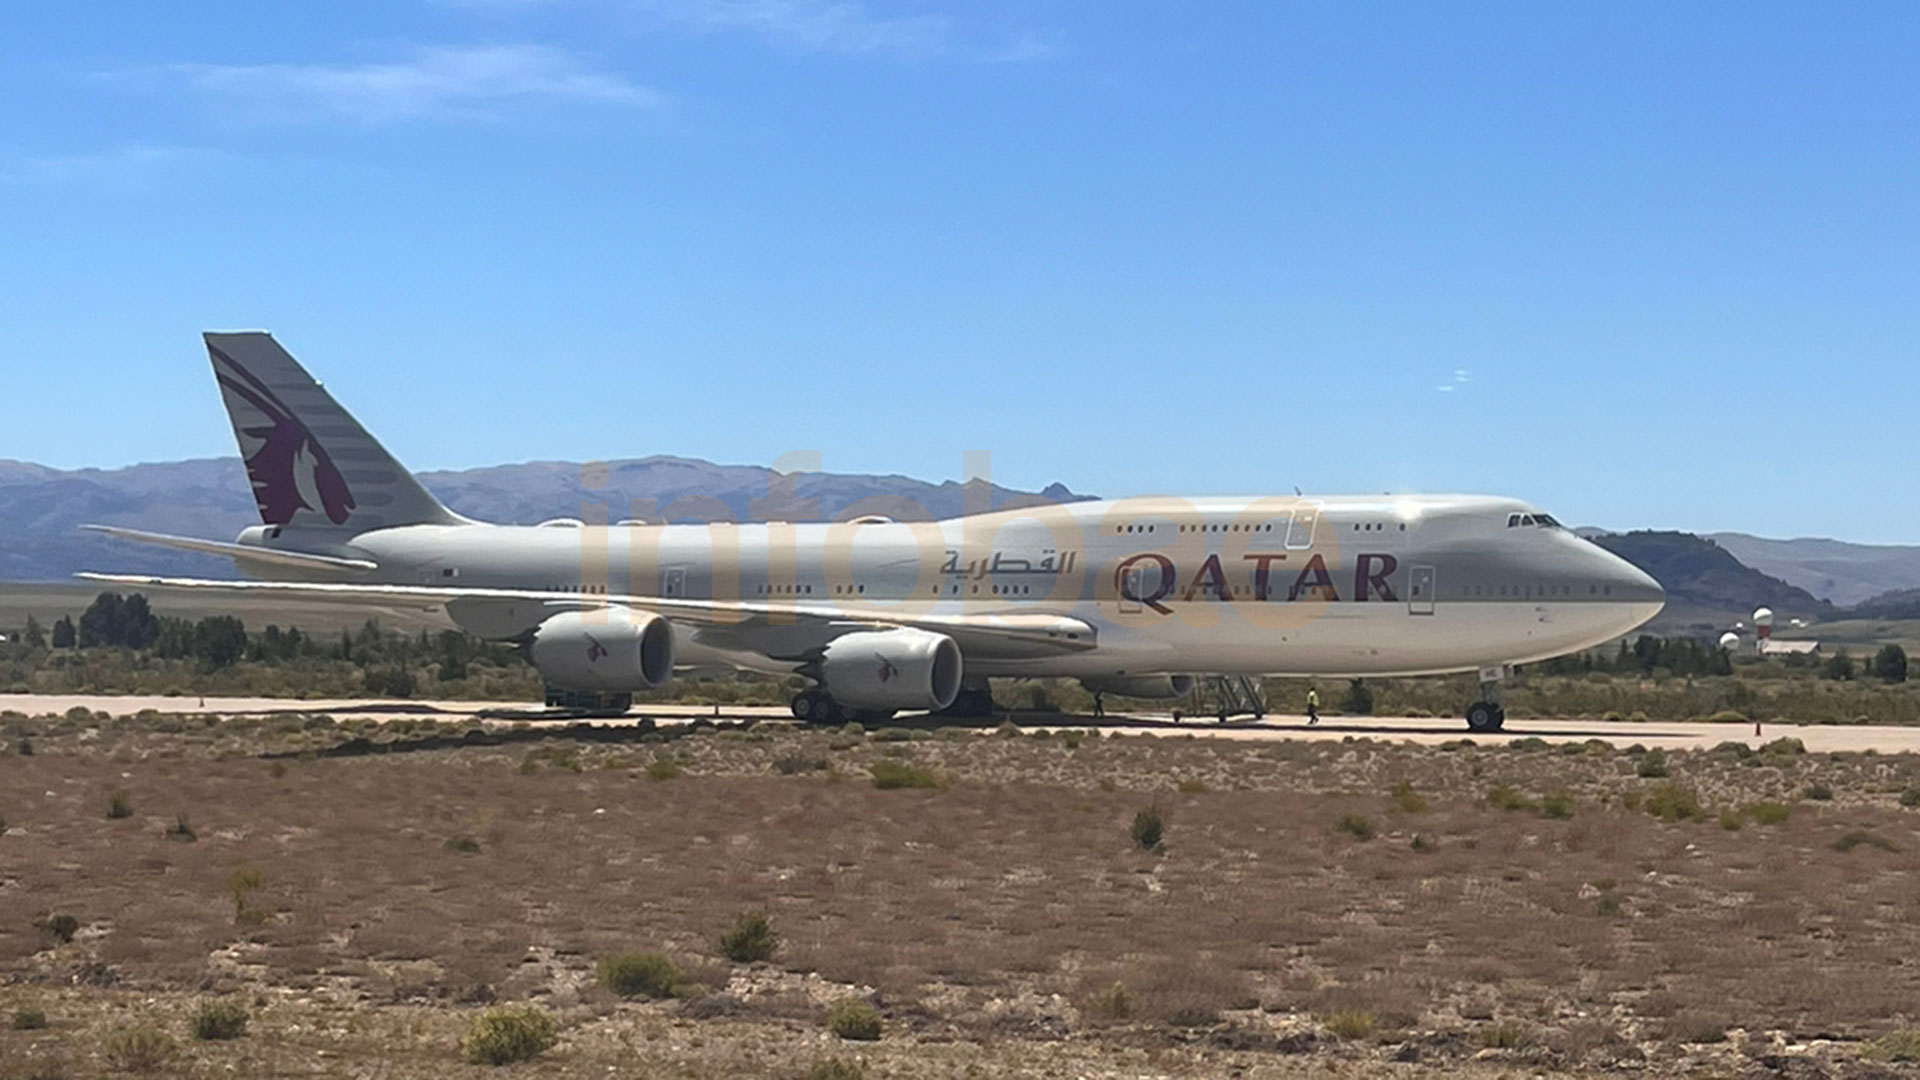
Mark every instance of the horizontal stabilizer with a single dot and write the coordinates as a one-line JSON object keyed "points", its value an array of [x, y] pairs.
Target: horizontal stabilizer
{"points": [[298, 560]]}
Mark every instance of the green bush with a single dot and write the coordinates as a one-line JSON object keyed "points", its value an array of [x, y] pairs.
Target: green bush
{"points": [[790, 764], [1653, 765], [1901, 1045], [836, 1069], [1192, 785], [140, 1049], [1115, 1002], [1732, 821], [1406, 800], [118, 807], [1355, 826], [1508, 797], [29, 1019], [246, 881], [664, 769], [62, 926], [1505, 1035], [1557, 804], [854, 1019], [1351, 1024], [217, 1020], [1819, 792], [510, 1033], [1784, 747], [640, 975], [1863, 838], [892, 775], [1673, 802], [465, 845], [1148, 829], [1769, 813], [1909, 798], [751, 940], [182, 830]]}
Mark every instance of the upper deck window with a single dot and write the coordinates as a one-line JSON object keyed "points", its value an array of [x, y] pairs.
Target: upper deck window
{"points": [[1542, 521]]}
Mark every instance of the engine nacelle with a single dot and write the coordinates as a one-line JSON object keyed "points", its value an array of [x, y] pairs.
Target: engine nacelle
{"points": [[892, 669], [1148, 687], [615, 649]]}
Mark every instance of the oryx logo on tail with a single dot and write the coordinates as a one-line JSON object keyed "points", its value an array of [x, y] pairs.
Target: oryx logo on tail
{"points": [[289, 468]]}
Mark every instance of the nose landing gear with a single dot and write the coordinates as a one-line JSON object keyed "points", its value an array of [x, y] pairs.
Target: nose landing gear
{"points": [[1487, 714]]}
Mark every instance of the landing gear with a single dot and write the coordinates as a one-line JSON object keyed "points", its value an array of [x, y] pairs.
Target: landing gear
{"points": [[813, 706], [1487, 714]]}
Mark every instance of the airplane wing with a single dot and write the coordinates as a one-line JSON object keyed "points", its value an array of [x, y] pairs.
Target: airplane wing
{"points": [[296, 560], [1020, 635]]}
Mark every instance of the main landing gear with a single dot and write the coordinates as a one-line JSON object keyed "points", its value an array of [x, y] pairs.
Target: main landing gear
{"points": [[816, 706], [974, 701], [1487, 714]]}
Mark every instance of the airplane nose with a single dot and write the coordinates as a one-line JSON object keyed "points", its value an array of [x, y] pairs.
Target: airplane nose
{"points": [[1620, 582]]}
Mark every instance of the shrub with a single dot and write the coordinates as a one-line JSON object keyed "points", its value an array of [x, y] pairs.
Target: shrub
{"points": [[1890, 664], [1653, 765], [1558, 804], [1784, 747], [1769, 813], [1192, 785], [1894, 1046], [892, 775], [1608, 906], [118, 807], [1351, 1023], [1528, 745], [640, 975], [1505, 1035], [1508, 797], [215, 1020], [1355, 826], [242, 885], [1673, 802], [29, 1019], [1731, 820], [509, 1033], [664, 769], [1113, 1003], [182, 830], [3, 824], [751, 940], [140, 1049], [1863, 838], [1359, 700], [465, 845], [852, 1018], [1148, 829], [1909, 798], [790, 764], [1422, 844], [836, 1069], [61, 926], [1406, 800], [1819, 792]]}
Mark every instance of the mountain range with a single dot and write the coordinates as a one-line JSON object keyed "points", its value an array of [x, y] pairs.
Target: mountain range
{"points": [[1710, 579]]}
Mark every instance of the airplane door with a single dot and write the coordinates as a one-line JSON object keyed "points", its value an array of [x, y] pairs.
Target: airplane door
{"points": [[1300, 531], [674, 581], [1420, 590]]}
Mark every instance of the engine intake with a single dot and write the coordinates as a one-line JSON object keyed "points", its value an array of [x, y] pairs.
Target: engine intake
{"points": [[1147, 687], [892, 669], [613, 648]]}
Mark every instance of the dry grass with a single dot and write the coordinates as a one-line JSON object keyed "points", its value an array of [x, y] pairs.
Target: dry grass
{"points": [[1011, 902]]}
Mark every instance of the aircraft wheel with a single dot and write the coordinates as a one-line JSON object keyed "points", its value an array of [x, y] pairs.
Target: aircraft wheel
{"points": [[1484, 717], [802, 705]]}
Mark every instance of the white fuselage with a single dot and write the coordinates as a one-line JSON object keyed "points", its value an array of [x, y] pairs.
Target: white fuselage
{"points": [[1281, 586]]}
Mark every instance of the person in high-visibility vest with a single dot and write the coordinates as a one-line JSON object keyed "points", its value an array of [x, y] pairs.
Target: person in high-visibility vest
{"points": [[1313, 705]]}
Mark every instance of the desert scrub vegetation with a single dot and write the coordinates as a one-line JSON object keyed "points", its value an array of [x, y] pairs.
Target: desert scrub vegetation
{"points": [[243, 883], [1406, 800], [1669, 801], [640, 975], [1356, 826], [889, 775], [508, 1033], [854, 1020], [29, 1019], [1558, 805], [218, 1020], [1769, 813], [1508, 797], [1653, 765], [834, 1068], [1111, 1003], [118, 806], [61, 926], [1351, 1025], [142, 1049], [1897, 1046], [751, 941], [463, 844], [1503, 1035], [665, 769], [1149, 829]]}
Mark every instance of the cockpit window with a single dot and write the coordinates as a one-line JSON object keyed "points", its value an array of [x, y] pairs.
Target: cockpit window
{"points": [[1543, 521]]}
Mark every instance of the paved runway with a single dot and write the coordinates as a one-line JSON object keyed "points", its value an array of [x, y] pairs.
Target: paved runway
{"points": [[1672, 735]]}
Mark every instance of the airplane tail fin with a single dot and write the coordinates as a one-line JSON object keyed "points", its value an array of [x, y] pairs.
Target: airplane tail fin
{"points": [[311, 463]]}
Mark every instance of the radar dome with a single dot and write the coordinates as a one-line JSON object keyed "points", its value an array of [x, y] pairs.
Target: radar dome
{"points": [[1729, 641]]}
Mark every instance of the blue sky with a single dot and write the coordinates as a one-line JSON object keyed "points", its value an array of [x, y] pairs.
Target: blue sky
{"points": [[1646, 264]]}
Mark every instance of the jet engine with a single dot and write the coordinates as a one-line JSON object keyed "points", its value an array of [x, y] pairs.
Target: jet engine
{"points": [[612, 649], [1148, 687], [892, 669]]}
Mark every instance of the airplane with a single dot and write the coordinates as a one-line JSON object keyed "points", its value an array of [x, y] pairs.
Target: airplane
{"points": [[1131, 596]]}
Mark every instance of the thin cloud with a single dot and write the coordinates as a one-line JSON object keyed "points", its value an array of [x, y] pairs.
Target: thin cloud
{"points": [[834, 26], [442, 81], [1460, 379]]}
